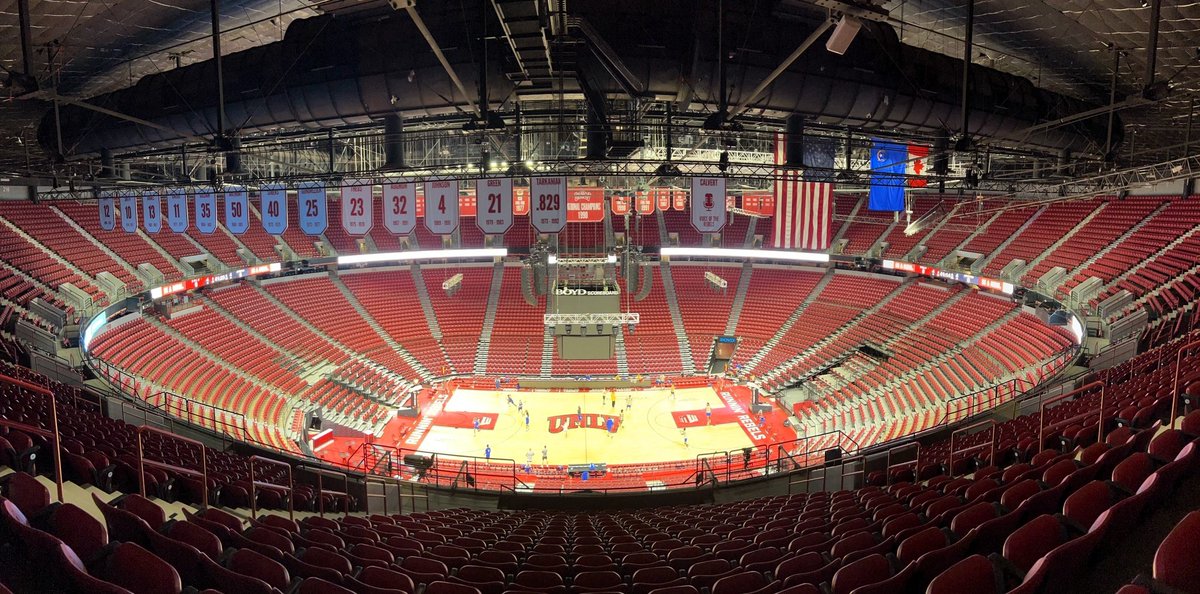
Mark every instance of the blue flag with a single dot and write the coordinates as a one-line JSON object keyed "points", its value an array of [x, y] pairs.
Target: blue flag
{"points": [[888, 161]]}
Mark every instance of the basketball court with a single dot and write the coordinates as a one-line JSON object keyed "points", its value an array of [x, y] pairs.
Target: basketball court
{"points": [[650, 425]]}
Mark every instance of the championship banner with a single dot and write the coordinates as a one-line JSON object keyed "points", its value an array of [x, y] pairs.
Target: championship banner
{"points": [[400, 208], [468, 205], [206, 211], [760, 204], [521, 201], [152, 211], [620, 204], [273, 209], [358, 207], [678, 200], [314, 208], [441, 206], [108, 215], [420, 203], [709, 204], [662, 197], [730, 202], [237, 211], [548, 205], [645, 203], [585, 205], [496, 194], [177, 210]]}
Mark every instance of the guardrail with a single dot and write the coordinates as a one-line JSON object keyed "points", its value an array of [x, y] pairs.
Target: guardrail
{"points": [[1064, 422], [990, 424], [143, 462], [255, 484], [321, 491], [51, 434], [1175, 381]]}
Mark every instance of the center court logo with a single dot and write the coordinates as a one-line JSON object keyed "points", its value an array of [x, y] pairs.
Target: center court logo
{"points": [[560, 423]]}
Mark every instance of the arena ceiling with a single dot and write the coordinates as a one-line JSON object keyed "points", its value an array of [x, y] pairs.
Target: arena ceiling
{"points": [[86, 48]]}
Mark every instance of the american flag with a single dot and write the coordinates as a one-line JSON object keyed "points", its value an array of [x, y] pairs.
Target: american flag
{"points": [[804, 203]]}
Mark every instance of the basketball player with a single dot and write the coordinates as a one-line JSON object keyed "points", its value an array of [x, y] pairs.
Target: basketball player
{"points": [[708, 412], [545, 454]]}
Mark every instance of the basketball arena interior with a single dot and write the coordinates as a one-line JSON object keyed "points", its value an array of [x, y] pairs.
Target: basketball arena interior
{"points": [[599, 296]]}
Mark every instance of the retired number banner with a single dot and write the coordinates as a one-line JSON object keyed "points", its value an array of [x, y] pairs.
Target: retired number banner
{"points": [[495, 205], [108, 215], [152, 211], [400, 208], [441, 206], [548, 203], [177, 210], [273, 208], [358, 208], [206, 211]]}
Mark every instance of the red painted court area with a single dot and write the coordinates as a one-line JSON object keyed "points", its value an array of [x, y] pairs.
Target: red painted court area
{"points": [[731, 406]]}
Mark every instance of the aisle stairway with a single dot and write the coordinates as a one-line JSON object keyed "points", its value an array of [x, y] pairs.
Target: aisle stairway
{"points": [[435, 329], [685, 349], [622, 359], [1111, 245], [547, 353], [754, 360], [489, 319], [374, 324], [772, 374]]}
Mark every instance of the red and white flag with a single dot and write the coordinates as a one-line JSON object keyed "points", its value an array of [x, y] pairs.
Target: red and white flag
{"points": [[803, 209]]}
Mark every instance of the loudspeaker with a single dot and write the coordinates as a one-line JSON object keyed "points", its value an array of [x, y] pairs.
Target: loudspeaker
{"points": [[843, 34], [1189, 187], [833, 457], [793, 148]]}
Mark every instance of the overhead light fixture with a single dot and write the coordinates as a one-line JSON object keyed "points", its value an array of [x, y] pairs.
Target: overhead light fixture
{"points": [[843, 34], [459, 254], [745, 254]]}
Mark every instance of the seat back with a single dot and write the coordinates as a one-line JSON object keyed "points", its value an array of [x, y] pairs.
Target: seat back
{"points": [[868, 570], [974, 574], [1177, 560]]}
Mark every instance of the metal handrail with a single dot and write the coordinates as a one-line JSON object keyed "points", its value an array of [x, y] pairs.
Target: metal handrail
{"points": [[376, 480], [255, 483], [52, 434], [904, 446], [1175, 382], [345, 492], [990, 424], [142, 461], [1060, 397]]}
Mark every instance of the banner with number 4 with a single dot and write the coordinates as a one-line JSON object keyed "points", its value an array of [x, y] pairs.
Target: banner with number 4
{"points": [[441, 206]]}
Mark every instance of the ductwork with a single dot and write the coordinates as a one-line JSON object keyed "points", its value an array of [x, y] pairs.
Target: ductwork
{"points": [[330, 72]]}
